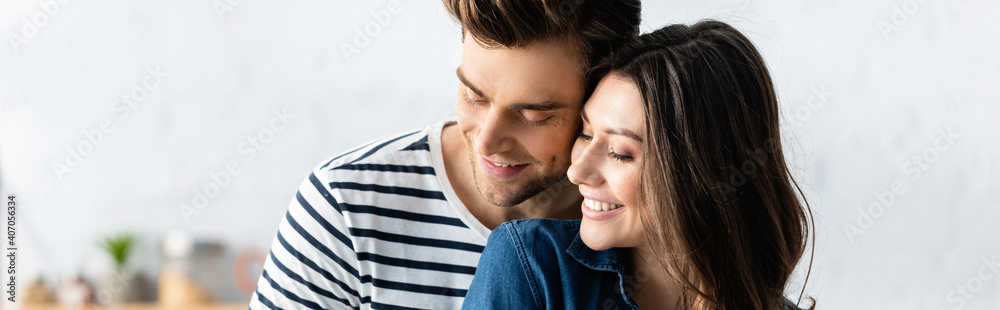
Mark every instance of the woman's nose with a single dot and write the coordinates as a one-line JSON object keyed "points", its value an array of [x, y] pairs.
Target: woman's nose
{"points": [[582, 169]]}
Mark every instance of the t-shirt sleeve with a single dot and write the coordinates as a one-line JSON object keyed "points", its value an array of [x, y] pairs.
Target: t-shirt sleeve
{"points": [[312, 263]]}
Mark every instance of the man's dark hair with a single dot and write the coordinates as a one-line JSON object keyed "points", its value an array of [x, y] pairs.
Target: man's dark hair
{"points": [[598, 26]]}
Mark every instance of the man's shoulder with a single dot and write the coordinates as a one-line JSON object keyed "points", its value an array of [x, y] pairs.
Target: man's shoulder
{"points": [[408, 147], [397, 172]]}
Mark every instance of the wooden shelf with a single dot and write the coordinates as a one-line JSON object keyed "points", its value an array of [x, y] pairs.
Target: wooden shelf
{"points": [[226, 306]]}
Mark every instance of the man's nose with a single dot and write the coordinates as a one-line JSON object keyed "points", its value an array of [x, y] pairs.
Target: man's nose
{"points": [[494, 134]]}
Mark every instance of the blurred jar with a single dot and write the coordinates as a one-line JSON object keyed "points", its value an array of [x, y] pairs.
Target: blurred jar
{"points": [[190, 272]]}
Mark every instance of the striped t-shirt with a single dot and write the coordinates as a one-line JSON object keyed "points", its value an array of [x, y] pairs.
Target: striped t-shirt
{"points": [[378, 227]]}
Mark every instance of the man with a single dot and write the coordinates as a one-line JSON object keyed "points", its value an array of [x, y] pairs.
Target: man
{"points": [[401, 222]]}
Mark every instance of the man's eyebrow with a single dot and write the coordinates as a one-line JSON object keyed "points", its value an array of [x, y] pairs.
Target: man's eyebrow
{"points": [[461, 77], [541, 106], [617, 131], [538, 106]]}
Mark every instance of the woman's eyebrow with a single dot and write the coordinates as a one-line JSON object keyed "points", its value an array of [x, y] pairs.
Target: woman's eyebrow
{"points": [[624, 132], [616, 131]]}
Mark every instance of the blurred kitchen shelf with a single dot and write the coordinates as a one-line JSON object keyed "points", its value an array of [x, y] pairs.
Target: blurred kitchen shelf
{"points": [[227, 306]]}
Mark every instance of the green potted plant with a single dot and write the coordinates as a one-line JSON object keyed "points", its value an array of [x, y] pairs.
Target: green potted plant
{"points": [[119, 246], [122, 285]]}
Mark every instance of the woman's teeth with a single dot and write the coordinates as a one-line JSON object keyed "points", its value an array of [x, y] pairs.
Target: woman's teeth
{"points": [[600, 206]]}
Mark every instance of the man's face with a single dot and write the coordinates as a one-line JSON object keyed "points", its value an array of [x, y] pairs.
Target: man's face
{"points": [[519, 111]]}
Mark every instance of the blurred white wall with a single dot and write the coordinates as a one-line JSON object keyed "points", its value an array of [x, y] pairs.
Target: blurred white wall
{"points": [[867, 88]]}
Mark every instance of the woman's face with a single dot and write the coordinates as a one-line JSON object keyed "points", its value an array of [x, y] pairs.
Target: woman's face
{"points": [[606, 162]]}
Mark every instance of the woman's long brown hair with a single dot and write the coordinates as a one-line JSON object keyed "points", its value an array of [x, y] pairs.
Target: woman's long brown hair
{"points": [[719, 203]]}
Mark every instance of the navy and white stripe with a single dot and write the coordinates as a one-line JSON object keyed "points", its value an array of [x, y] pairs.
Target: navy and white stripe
{"points": [[378, 227]]}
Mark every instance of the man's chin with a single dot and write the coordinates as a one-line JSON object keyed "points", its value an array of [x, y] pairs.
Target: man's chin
{"points": [[501, 194], [509, 194], [497, 192]]}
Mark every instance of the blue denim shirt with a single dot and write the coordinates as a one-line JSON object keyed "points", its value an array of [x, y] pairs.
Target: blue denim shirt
{"points": [[543, 264]]}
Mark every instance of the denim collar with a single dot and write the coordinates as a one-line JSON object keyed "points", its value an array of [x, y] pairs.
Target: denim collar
{"points": [[611, 260], [615, 260]]}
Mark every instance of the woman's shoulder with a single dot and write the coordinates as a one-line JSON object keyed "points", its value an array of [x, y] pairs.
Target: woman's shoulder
{"points": [[540, 233], [518, 261], [571, 227], [533, 240], [538, 255]]}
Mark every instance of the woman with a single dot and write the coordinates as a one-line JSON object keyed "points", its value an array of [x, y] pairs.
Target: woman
{"points": [[688, 203]]}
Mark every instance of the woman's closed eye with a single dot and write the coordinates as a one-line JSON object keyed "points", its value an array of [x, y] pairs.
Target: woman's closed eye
{"points": [[625, 157]]}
